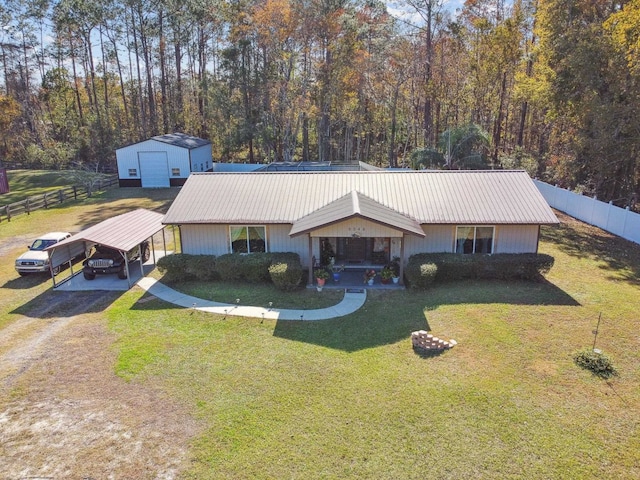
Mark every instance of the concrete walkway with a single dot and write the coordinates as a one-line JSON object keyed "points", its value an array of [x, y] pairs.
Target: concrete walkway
{"points": [[351, 302]]}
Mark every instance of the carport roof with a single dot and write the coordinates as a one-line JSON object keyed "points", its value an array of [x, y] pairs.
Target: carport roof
{"points": [[122, 232]]}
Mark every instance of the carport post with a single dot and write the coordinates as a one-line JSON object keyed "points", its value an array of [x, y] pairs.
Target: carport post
{"points": [[153, 250], [126, 266], [141, 260], [53, 277]]}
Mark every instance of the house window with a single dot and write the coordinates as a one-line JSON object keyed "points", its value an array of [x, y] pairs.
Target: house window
{"points": [[133, 172], [175, 172], [474, 239], [248, 239]]}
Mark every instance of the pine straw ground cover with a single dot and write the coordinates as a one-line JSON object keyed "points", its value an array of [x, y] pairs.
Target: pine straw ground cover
{"points": [[349, 398]]}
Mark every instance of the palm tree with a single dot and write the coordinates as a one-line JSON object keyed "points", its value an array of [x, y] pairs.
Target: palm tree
{"points": [[465, 147]]}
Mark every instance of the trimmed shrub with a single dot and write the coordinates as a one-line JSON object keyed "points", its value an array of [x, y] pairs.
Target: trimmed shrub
{"points": [[420, 275], [599, 364], [253, 268], [174, 267], [202, 267], [228, 266], [286, 276], [502, 266]]}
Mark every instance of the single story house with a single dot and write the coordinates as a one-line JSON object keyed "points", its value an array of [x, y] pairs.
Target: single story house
{"points": [[163, 161], [367, 217]]}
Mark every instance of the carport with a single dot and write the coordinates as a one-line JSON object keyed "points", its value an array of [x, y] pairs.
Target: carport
{"points": [[123, 233]]}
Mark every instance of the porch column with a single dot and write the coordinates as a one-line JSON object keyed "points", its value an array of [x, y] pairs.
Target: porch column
{"points": [[402, 259], [310, 261]]}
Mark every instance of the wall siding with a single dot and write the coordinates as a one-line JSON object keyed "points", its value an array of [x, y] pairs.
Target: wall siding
{"points": [[127, 157], [359, 226], [516, 239], [280, 241], [438, 239], [205, 239], [201, 159], [441, 238], [214, 240]]}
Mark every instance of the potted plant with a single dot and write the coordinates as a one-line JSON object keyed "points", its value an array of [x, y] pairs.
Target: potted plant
{"points": [[395, 268], [369, 275], [321, 276], [386, 274], [335, 271]]}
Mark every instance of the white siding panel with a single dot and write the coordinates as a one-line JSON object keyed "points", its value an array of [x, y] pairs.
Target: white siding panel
{"points": [[359, 226], [201, 159], [280, 241], [516, 239], [214, 240], [439, 238], [127, 157], [205, 239]]}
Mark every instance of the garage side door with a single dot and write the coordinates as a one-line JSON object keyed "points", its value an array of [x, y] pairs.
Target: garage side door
{"points": [[154, 169]]}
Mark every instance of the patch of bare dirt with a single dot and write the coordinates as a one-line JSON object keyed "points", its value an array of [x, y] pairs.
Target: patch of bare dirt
{"points": [[64, 413]]}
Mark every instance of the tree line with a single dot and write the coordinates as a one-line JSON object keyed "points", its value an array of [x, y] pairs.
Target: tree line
{"points": [[551, 86]]}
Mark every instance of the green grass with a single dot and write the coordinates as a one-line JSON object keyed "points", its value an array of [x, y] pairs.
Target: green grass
{"points": [[349, 398], [28, 183], [261, 295]]}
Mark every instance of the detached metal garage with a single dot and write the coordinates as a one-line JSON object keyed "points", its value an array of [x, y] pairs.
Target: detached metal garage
{"points": [[163, 161]]}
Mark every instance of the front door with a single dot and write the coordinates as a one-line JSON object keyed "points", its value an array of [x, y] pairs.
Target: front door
{"points": [[355, 250]]}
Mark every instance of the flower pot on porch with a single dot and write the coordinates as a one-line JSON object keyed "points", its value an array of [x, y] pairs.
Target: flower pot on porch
{"points": [[370, 281], [395, 279], [320, 282], [336, 277]]}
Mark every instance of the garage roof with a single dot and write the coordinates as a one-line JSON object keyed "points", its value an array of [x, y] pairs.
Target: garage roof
{"points": [[181, 140], [122, 232]]}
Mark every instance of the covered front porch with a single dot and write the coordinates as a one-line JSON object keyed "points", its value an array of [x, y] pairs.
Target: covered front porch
{"points": [[354, 233], [352, 278]]}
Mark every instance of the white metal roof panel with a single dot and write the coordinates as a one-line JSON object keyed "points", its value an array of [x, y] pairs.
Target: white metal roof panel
{"points": [[122, 232], [351, 205], [428, 197]]}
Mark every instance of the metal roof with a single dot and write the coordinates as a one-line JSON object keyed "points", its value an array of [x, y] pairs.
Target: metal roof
{"points": [[355, 205], [182, 140], [122, 232], [315, 167], [428, 197]]}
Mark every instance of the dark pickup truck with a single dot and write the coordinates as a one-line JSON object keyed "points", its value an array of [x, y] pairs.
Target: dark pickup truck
{"points": [[105, 260]]}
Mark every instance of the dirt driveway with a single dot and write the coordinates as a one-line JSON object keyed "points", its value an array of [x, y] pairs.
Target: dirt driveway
{"points": [[63, 412]]}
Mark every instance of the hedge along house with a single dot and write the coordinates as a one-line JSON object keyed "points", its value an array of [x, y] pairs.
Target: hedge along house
{"points": [[163, 161], [366, 217]]}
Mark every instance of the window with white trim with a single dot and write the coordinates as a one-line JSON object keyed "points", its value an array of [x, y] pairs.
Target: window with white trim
{"points": [[175, 172], [248, 238], [473, 239], [133, 172]]}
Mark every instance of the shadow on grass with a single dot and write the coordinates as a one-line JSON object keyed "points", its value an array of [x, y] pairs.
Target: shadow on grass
{"points": [[353, 333], [55, 304], [494, 291], [390, 316], [26, 282], [582, 240], [160, 198]]}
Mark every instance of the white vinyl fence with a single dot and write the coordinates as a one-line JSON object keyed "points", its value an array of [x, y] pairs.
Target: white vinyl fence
{"points": [[619, 221]]}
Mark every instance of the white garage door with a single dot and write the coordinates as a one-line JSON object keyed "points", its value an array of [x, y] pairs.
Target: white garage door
{"points": [[154, 169]]}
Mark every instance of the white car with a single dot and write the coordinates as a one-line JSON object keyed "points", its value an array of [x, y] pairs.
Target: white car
{"points": [[36, 260]]}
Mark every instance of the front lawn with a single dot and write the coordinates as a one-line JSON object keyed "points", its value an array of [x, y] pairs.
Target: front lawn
{"points": [[349, 398]]}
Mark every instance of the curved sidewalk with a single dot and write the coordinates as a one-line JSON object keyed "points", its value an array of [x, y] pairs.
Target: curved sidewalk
{"points": [[351, 302]]}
